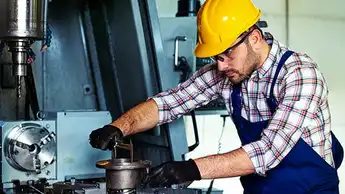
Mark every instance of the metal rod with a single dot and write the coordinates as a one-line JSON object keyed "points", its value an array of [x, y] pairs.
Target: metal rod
{"points": [[128, 147], [34, 188], [131, 149], [113, 152]]}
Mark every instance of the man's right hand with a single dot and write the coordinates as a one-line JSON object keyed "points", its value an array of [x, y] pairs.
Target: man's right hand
{"points": [[104, 137]]}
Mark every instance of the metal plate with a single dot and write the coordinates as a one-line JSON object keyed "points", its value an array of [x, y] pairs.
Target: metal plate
{"points": [[75, 156], [30, 147]]}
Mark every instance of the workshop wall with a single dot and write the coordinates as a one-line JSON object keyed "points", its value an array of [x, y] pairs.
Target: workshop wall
{"points": [[317, 28], [313, 27]]}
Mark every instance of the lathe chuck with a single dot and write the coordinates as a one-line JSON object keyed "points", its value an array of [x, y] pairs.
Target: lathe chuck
{"points": [[30, 147]]}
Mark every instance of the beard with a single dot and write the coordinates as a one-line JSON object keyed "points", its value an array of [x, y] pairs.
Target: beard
{"points": [[249, 65]]}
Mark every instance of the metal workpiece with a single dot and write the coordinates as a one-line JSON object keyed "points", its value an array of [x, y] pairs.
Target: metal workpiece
{"points": [[30, 147], [121, 173]]}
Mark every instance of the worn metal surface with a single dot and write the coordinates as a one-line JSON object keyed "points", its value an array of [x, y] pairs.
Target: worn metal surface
{"points": [[121, 173]]}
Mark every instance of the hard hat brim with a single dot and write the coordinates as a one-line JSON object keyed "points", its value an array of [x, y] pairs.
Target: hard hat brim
{"points": [[209, 50]]}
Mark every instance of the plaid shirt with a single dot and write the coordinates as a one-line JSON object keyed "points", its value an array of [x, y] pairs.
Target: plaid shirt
{"points": [[302, 112]]}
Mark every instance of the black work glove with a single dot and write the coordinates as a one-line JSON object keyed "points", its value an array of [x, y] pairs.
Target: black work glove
{"points": [[170, 173], [104, 138]]}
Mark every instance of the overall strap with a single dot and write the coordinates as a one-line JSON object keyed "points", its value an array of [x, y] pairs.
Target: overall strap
{"points": [[236, 99], [236, 93], [282, 61]]}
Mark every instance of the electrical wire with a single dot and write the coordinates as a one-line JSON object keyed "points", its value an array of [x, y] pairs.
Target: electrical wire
{"points": [[209, 190], [221, 135]]}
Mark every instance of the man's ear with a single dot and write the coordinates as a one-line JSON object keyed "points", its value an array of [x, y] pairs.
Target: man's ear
{"points": [[255, 39]]}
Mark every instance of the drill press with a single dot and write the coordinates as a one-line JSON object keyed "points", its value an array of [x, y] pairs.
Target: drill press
{"points": [[22, 23]]}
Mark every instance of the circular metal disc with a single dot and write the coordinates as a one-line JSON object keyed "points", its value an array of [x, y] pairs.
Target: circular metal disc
{"points": [[27, 143], [123, 164]]}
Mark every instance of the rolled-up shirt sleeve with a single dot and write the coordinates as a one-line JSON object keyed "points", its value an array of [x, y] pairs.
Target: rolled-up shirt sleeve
{"points": [[201, 88], [300, 98]]}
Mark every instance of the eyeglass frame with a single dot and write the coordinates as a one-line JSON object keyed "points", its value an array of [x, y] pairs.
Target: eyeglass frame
{"points": [[228, 50]]}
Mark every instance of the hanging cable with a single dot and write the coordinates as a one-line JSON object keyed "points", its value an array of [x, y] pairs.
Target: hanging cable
{"points": [[47, 39], [221, 134], [209, 190]]}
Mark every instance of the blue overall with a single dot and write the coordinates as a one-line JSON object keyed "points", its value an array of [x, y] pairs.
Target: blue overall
{"points": [[302, 171]]}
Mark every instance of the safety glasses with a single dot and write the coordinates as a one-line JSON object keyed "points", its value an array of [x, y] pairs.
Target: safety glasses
{"points": [[228, 50]]}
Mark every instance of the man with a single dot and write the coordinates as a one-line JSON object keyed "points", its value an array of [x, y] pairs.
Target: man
{"points": [[277, 99]]}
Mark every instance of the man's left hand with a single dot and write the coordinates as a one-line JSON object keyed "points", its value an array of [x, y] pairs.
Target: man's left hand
{"points": [[171, 173]]}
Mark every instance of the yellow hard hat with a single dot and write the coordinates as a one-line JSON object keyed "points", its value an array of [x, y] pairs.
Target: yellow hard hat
{"points": [[221, 22]]}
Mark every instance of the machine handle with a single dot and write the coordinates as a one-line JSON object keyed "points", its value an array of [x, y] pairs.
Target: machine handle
{"points": [[196, 134], [184, 67], [177, 39]]}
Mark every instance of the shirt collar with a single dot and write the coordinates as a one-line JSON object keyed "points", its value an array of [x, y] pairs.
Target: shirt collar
{"points": [[272, 56]]}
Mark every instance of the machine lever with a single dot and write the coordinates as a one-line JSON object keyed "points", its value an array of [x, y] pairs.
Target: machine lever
{"points": [[121, 145], [196, 134], [176, 56]]}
